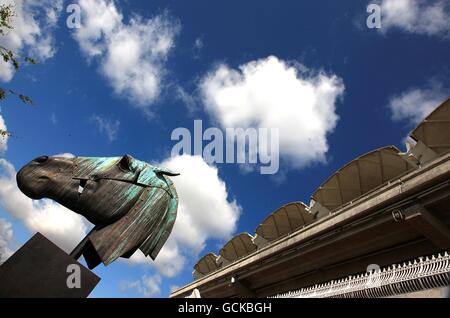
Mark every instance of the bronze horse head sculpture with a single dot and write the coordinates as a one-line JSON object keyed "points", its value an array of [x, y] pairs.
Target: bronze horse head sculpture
{"points": [[132, 204]]}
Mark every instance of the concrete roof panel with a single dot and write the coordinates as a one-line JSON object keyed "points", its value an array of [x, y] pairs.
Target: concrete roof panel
{"points": [[207, 264], [239, 246], [434, 130], [284, 220], [360, 176]]}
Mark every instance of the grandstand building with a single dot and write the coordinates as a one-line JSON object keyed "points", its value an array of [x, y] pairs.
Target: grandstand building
{"points": [[378, 227]]}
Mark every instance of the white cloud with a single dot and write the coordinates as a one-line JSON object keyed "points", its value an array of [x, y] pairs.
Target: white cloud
{"points": [[271, 93], [173, 257], [415, 104], [60, 225], [6, 236], [3, 138], [107, 126], [205, 212], [198, 44], [416, 16], [173, 288], [64, 155], [147, 286], [54, 119], [132, 54], [32, 35], [187, 99], [100, 19]]}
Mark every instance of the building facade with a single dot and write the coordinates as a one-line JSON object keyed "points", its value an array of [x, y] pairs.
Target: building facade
{"points": [[378, 227]]}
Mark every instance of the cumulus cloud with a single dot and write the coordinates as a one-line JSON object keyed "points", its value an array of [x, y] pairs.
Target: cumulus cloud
{"points": [[106, 126], [132, 54], [416, 16], [6, 237], [415, 104], [272, 93], [147, 286], [60, 225], [205, 212], [3, 138], [32, 34]]}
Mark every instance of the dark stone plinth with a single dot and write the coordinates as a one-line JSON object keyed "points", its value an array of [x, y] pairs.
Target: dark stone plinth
{"points": [[40, 269]]}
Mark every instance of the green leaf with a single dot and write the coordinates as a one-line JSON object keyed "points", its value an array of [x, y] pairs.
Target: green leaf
{"points": [[31, 60], [8, 56], [5, 133], [5, 57], [15, 64], [26, 99], [6, 13]]}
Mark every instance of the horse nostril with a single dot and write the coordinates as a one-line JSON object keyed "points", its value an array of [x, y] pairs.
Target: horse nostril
{"points": [[41, 159]]}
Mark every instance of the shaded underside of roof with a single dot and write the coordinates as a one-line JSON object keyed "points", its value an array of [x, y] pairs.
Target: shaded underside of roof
{"points": [[207, 264], [360, 176], [434, 131], [239, 246], [284, 220]]}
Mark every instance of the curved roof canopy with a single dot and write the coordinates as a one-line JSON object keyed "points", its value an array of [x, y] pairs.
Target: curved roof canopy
{"points": [[207, 264], [237, 247], [285, 220], [360, 176], [434, 131]]}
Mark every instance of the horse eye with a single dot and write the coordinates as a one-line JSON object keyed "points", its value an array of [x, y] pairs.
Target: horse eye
{"points": [[41, 159]]}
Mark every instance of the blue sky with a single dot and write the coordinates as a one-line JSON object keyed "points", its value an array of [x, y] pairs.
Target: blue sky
{"points": [[136, 70]]}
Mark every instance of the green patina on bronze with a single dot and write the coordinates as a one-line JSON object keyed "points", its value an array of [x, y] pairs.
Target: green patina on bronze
{"points": [[132, 203]]}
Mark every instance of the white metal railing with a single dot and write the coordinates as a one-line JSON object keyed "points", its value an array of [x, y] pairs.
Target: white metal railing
{"points": [[420, 274]]}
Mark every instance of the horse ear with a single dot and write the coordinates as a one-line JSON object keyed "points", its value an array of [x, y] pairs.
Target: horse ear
{"points": [[166, 172], [146, 176], [125, 163]]}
